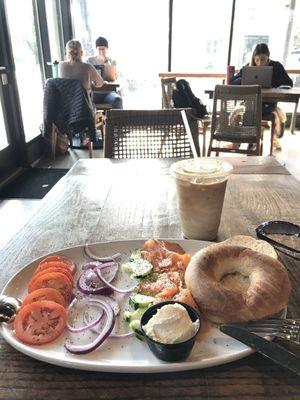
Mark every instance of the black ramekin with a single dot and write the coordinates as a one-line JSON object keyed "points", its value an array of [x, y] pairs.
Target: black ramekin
{"points": [[174, 351]]}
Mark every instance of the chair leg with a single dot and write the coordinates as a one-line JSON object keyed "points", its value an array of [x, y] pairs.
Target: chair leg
{"points": [[204, 142], [209, 146], [53, 141], [272, 135], [90, 149]]}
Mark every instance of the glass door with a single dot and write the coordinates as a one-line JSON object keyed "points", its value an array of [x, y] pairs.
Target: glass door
{"points": [[22, 24], [12, 143]]}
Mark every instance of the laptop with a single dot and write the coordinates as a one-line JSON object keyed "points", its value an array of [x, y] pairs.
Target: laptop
{"points": [[257, 76]]}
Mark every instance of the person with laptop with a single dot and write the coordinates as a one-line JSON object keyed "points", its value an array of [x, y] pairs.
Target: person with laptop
{"points": [[275, 76], [107, 69]]}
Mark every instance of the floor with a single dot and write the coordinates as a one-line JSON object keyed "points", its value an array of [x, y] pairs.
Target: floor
{"points": [[16, 213]]}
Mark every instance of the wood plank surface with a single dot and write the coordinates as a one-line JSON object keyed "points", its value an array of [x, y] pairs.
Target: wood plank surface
{"points": [[103, 200]]}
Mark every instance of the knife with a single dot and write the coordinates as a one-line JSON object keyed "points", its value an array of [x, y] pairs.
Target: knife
{"points": [[271, 350]]}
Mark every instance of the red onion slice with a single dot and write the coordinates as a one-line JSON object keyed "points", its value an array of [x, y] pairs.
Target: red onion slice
{"points": [[93, 256], [88, 325], [109, 325], [101, 276], [121, 336], [116, 310], [85, 279]]}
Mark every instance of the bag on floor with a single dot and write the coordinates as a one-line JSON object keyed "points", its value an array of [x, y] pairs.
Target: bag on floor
{"points": [[183, 97]]}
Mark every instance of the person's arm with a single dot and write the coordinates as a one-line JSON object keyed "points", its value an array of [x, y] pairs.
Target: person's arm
{"points": [[110, 70], [280, 76], [95, 77], [61, 70]]}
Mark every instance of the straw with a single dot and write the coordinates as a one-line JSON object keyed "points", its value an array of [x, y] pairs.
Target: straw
{"points": [[189, 133]]}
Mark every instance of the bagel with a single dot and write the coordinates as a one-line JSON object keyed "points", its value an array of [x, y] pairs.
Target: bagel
{"points": [[255, 244], [237, 284]]}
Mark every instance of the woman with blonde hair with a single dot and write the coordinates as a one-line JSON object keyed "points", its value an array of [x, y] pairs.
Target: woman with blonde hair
{"points": [[75, 68]]}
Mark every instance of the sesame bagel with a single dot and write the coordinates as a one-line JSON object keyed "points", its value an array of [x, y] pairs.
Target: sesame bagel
{"points": [[235, 284]]}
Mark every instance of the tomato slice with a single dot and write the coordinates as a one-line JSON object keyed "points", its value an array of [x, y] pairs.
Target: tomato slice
{"points": [[44, 294], [62, 259], [55, 280], [54, 269], [40, 322]]}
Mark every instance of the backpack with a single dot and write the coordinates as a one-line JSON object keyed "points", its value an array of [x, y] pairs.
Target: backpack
{"points": [[183, 97]]}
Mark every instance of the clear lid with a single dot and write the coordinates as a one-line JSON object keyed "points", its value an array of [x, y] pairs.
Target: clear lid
{"points": [[201, 170]]}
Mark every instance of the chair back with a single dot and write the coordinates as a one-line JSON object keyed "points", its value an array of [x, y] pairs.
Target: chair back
{"points": [[167, 87], [236, 112], [236, 116], [68, 106], [148, 134]]}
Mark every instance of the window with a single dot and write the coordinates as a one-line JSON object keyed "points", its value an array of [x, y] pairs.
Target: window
{"points": [[200, 40], [54, 30], [200, 35], [23, 34], [3, 136], [281, 32], [137, 33]]}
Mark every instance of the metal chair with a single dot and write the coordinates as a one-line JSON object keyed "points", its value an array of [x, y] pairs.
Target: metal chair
{"points": [[148, 134], [167, 87], [236, 119]]}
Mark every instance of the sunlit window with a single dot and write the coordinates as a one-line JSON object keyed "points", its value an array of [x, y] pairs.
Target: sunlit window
{"points": [[3, 136], [54, 30], [28, 69], [137, 33], [281, 31], [200, 35]]}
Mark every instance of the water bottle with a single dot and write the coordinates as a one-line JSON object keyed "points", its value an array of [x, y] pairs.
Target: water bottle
{"points": [[55, 69]]}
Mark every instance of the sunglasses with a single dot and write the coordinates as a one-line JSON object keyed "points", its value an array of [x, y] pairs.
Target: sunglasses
{"points": [[279, 228]]}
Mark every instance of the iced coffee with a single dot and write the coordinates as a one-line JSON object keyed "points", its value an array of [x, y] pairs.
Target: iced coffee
{"points": [[201, 185]]}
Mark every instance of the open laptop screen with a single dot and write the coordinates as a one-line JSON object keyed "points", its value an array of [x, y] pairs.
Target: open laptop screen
{"points": [[257, 76]]}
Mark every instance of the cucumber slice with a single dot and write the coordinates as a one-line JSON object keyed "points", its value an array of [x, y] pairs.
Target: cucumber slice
{"points": [[135, 325], [139, 268], [134, 315], [135, 254], [139, 300]]}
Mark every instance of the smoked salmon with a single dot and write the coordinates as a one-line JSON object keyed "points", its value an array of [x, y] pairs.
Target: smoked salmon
{"points": [[166, 282]]}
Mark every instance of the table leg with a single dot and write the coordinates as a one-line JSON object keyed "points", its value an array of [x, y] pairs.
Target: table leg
{"points": [[294, 118]]}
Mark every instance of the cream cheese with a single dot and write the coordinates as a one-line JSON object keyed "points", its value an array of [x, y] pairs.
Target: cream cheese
{"points": [[171, 324]]}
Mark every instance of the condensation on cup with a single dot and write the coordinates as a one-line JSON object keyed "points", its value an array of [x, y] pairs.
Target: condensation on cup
{"points": [[201, 185]]}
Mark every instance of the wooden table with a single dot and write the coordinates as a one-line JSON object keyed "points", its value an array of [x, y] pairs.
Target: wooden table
{"points": [[274, 95], [107, 87], [103, 200]]}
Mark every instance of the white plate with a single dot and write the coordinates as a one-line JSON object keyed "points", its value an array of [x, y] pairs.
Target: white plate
{"points": [[121, 355]]}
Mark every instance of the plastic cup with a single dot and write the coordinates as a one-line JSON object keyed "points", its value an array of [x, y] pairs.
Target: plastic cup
{"points": [[201, 185]]}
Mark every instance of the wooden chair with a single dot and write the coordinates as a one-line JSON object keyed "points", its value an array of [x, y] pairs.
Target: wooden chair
{"points": [[167, 87], [236, 119], [148, 134], [100, 116], [268, 121]]}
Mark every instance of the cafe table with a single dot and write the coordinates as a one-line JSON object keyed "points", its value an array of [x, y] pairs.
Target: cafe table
{"points": [[274, 95], [102, 200], [106, 87]]}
